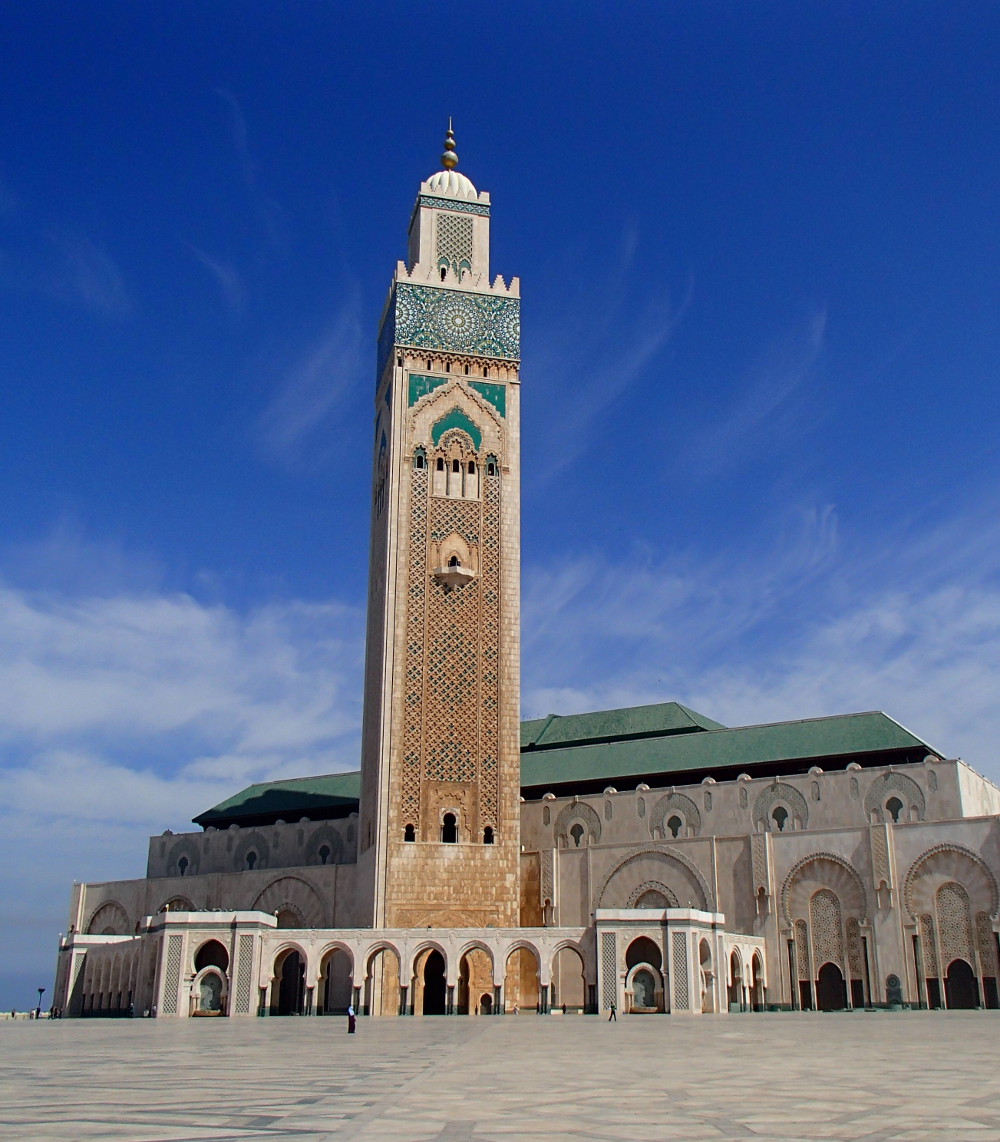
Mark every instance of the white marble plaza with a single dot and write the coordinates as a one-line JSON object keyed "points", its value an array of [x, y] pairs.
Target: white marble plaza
{"points": [[906, 1077]]}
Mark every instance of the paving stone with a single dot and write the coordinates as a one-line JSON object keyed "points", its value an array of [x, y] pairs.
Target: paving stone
{"points": [[911, 1077]]}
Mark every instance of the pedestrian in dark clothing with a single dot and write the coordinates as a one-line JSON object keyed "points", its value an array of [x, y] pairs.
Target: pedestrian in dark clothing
{"points": [[613, 1017], [352, 1021]]}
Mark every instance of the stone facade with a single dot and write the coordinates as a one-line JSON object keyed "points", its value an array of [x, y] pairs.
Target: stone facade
{"points": [[619, 859], [440, 767]]}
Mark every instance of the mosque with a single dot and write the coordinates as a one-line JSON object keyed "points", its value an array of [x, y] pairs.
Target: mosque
{"points": [[648, 859]]}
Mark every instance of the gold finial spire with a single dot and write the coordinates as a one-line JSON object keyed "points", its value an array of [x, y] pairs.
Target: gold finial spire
{"points": [[449, 160]]}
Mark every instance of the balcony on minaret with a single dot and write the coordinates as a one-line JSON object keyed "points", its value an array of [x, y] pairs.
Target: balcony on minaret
{"points": [[454, 562], [453, 574]]}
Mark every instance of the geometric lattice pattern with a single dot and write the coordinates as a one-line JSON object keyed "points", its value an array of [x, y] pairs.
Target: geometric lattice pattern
{"points": [[416, 590], [854, 958], [987, 944], [453, 204], [428, 317], [781, 794], [547, 862], [609, 970], [758, 862], [675, 803], [802, 949], [883, 787], [172, 974], [827, 929], [679, 971], [880, 857], [452, 515], [928, 947], [451, 725], [954, 924], [489, 741], [451, 712], [454, 241], [243, 974]]}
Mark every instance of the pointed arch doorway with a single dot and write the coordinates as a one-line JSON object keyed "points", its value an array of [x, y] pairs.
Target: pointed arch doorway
{"points": [[831, 994], [961, 990], [435, 987]]}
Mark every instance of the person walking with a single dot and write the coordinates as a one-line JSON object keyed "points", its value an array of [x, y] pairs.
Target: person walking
{"points": [[352, 1020], [613, 1017]]}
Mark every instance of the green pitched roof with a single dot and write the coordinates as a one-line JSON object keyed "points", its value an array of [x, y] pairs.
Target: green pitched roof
{"points": [[657, 743], [846, 735], [333, 794], [610, 725]]}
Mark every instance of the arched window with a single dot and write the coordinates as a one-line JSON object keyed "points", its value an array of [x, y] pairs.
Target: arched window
{"points": [[472, 467], [419, 458], [894, 807], [449, 829], [182, 865], [488, 835], [211, 955], [456, 466], [466, 370], [444, 272], [324, 854], [491, 465], [675, 824], [409, 833], [440, 464], [780, 817], [576, 832], [454, 561], [251, 859]]}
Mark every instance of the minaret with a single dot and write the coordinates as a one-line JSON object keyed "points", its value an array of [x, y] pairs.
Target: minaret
{"points": [[439, 843]]}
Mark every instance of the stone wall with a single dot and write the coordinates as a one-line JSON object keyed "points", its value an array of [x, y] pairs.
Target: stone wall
{"points": [[303, 843]]}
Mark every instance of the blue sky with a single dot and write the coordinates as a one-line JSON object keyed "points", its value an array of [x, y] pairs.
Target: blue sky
{"points": [[758, 252]]}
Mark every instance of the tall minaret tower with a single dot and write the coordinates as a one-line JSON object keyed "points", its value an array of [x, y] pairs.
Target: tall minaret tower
{"points": [[439, 843]]}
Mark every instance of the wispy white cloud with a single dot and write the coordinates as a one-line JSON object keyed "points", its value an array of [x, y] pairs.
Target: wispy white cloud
{"points": [[67, 560], [267, 210], [312, 388], [812, 625], [124, 713], [765, 401], [90, 275], [69, 267], [172, 681], [227, 278], [601, 338]]}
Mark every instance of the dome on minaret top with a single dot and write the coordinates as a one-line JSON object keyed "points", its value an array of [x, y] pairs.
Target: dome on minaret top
{"points": [[449, 181]]}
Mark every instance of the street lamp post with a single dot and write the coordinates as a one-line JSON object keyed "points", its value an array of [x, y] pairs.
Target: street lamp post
{"points": [[38, 1009]]}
